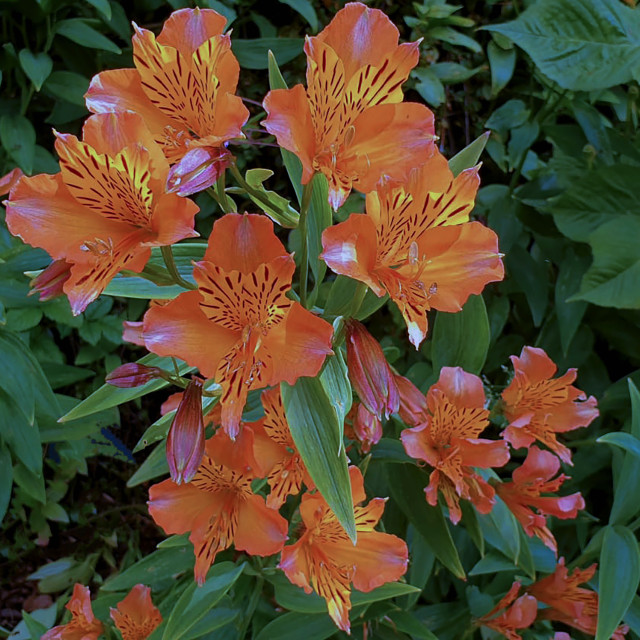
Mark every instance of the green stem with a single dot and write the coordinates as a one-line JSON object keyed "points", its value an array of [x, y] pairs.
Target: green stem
{"points": [[304, 241], [167, 256], [222, 198], [254, 193], [252, 606]]}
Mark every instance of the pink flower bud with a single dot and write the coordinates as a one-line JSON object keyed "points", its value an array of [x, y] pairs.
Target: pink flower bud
{"points": [[50, 282], [367, 428], [413, 403], [131, 375], [185, 442], [198, 170], [369, 371]]}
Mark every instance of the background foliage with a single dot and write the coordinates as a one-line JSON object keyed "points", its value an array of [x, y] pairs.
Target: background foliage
{"points": [[556, 84]]}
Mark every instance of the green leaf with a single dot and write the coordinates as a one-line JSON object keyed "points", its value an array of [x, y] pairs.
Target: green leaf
{"points": [[569, 314], [623, 440], [579, 45], [335, 381], [612, 279], [155, 570], [196, 601], [462, 339], [406, 622], [6, 480], [280, 210], [502, 63], [18, 137], [155, 465], [618, 578], [212, 620], [22, 435], [452, 72], [37, 66], [252, 54], [305, 9], [532, 277], [108, 396], [103, 7], [469, 156], [68, 86], [290, 625], [36, 629], [407, 484], [501, 530], [447, 34], [429, 86], [77, 30], [32, 483], [316, 427]]}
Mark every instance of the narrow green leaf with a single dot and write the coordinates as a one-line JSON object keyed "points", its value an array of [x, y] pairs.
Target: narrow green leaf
{"points": [[335, 381], [18, 137], [501, 530], [406, 622], [252, 54], [502, 63], [618, 578], [31, 483], [316, 428], [108, 396], [37, 66], [462, 339], [407, 484], [623, 440], [77, 30], [103, 7], [22, 436], [290, 625], [68, 86], [155, 465], [195, 601], [306, 10], [532, 277], [470, 155], [6, 480]]}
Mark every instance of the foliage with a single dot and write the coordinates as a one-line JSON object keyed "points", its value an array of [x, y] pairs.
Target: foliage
{"points": [[555, 83]]}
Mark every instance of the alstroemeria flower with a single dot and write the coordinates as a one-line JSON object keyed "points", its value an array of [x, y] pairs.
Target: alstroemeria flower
{"points": [[325, 560], [136, 616], [365, 427], [239, 327], [83, 624], [369, 371], [449, 442], [276, 451], [415, 242], [49, 284], [350, 122], [8, 181], [105, 209], [183, 85], [413, 403], [569, 603], [538, 406], [218, 508], [517, 613], [523, 495]]}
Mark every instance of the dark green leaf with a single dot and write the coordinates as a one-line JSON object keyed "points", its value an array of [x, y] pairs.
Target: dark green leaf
{"points": [[6, 480], [68, 86], [252, 54], [18, 137], [502, 63], [316, 428], [429, 86], [469, 156], [569, 314], [462, 339], [155, 465], [37, 66], [81, 33], [305, 9], [21, 435], [579, 45], [623, 440], [532, 278], [290, 625], [103, 7], [618, 579]]}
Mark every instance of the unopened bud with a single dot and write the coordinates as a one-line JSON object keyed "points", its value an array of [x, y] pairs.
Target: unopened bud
{"points": [[185, 442], [198, 170], [49, 284], [413, 403], [131, 375], [367, 428], [369, 371]]}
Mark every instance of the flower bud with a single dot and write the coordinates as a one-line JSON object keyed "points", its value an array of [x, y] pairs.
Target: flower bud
{"points": [[131, 375], [369, 371], [367, 428], [50, 282], [185, 442], [413, 403], [198, 170]]}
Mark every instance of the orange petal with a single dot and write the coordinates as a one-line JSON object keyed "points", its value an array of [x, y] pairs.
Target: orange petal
{"points": [[483, 453], [136, 616], [461, 388], [8, 181], [120, 90], [44, 214], [175, 508], [389, 140], [349, 248], [243, 242], [462, 260], [180, 329], [360, 36], [289, 120], [173, 219], [295, 347], [187, 29], [261, 531]]}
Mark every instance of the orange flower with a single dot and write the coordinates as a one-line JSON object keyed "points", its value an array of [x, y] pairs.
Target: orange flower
{"points": [[183, 86], [516, 614], [50, 283], [83, 624], [539, 406], [105, 209], [239, 326], [348, 124], [276, 451], [522, 495], [449, 442], [218, 508], [8, 181], [568, 603], [413, 403], [416, 243], [325, 560], [365, 427], [136, 616]]}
